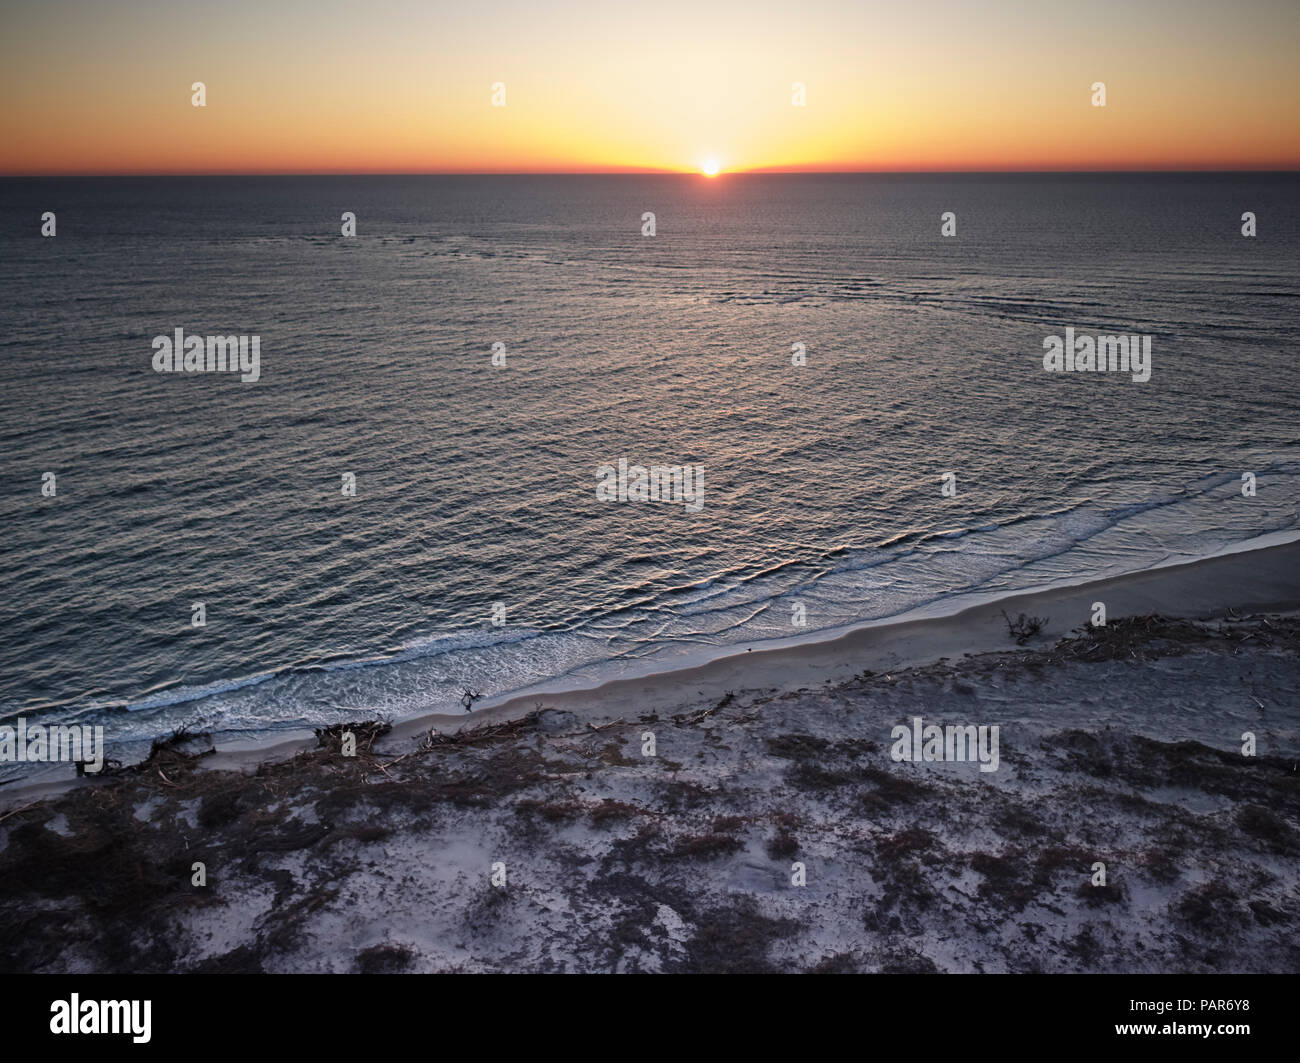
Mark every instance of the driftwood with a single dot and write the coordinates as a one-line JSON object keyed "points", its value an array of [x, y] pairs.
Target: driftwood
{"points": [[696, 717], [1023, 628]]}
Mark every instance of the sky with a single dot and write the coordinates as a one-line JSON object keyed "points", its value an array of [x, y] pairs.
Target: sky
{"points": [[398, 86]]}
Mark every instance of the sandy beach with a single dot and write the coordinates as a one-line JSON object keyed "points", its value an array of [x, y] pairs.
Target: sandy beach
{"points": [[749, 814]]}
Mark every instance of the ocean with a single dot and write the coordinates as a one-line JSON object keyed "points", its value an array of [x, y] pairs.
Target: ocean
{"points": [[475, 551]]}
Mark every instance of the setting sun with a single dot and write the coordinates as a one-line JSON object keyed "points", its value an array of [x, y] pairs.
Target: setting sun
{"points": [[842, 87]]}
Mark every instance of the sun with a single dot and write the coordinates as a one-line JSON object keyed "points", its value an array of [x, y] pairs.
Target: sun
{"points": [[709, 168]]}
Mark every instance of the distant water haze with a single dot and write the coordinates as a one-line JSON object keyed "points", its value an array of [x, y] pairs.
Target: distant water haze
{"points": [[476, 484]]}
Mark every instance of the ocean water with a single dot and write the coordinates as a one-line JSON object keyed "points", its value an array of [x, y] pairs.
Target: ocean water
{"points": [[476, 484]]}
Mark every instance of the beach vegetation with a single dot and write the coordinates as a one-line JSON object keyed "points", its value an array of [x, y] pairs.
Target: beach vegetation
{"points": [[1023, 627]]}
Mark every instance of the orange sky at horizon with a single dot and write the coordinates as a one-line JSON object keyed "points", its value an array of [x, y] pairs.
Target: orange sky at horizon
{"points": [[398, 86]]}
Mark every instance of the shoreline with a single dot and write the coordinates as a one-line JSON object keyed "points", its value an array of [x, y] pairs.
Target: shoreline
{"points": [[1123, 827], [941, 608], [1242, 578], [1253, 579]]}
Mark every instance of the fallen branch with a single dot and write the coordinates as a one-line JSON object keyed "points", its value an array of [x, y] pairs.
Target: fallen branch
{"points": [[15, 811]]}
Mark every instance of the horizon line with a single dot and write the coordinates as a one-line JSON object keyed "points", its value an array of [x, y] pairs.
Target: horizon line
{"points": [[760, 172]]}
